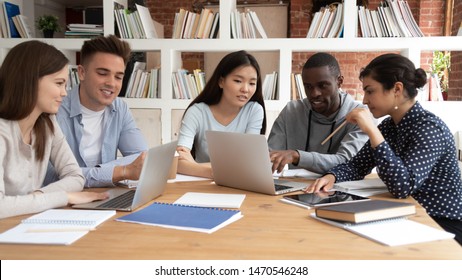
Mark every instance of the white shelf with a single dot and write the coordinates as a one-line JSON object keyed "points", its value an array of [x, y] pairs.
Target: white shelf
{"points": [[171, 49], [450, 43]]}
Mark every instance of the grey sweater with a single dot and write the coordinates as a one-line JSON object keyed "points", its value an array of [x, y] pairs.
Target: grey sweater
{"points": [[290, 131]]}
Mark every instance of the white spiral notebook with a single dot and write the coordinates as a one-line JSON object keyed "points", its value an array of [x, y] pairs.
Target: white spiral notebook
{"points": [[220, 200], [56, 226], [392, 232]]}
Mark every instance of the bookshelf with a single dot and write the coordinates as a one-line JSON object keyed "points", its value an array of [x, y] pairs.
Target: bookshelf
{"points": [[160, 117]]}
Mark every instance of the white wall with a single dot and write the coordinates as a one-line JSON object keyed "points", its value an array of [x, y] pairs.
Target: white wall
{"points": [[449, 111]]}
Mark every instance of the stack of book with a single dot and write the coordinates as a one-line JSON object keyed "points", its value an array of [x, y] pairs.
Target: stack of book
{"points": [[382, 221], [246, 25], [135, 24], [190, 25], [188, 85], [143, 83], [80, 30], [393, 18], [327, 23]]}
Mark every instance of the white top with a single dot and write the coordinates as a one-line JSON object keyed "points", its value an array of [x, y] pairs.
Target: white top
{"points": [[92, 137], [199, 118], [21, 174]]}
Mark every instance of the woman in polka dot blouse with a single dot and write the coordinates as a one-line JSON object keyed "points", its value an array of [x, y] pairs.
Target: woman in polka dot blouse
{"points": [[413, 149]]}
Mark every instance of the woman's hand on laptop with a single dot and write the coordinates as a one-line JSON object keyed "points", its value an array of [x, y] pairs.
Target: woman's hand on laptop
{"points": [[85, 197]]}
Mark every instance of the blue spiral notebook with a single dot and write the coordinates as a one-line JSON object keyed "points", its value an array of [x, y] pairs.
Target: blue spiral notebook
{"points": [[183, 217]]}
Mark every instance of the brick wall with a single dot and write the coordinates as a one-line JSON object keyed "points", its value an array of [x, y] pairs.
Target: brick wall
{"points": [[300, 18], [429, 14], [455, 76], [431, 22]]}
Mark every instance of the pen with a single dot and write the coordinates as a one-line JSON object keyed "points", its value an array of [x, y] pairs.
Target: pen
{"points": [[37, 230], [332, 134]]}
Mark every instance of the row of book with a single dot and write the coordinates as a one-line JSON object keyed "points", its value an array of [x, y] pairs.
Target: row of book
{"points": [[12, 23], [136, 24], [393, 18], [297, 89], [270, 86], [327, 23], [246, 25], [190, 25], [143, 83], [430, 92], [187, 85]]}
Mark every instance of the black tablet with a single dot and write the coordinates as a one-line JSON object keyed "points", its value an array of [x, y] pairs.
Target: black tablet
{"points": [[310, 200]]}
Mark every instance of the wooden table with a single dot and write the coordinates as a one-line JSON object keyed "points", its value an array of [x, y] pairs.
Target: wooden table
{"points": [[269, 230]]}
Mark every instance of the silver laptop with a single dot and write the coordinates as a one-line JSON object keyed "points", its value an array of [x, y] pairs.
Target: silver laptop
{"points": [[152, 182], [242, 161]]}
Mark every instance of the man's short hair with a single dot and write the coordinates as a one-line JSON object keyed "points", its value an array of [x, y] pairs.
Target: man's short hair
{"points": [[109, 44], [323, 59]]}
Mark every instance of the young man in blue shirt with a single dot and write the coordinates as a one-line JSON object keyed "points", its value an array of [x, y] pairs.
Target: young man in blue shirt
{"points": [[96, 123]]}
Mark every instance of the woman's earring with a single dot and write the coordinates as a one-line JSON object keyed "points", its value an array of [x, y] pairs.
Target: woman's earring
{"points": [[396, 107]]}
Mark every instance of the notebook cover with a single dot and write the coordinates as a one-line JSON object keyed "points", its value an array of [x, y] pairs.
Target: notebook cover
{"points": [[182, 217]]}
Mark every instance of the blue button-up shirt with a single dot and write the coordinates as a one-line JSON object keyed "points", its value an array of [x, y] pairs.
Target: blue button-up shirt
{"points": [[417, 158], [119, 133]]}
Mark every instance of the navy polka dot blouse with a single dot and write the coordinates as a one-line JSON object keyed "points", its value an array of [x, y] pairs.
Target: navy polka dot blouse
{"points": [[417, 158]]}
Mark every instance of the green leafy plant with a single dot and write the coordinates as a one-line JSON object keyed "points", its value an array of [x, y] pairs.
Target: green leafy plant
{"points": [[441, 65], [48, 22]]}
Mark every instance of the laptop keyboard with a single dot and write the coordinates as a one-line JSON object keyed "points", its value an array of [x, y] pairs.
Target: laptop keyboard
{"points": [[280, 187], [122, 201]]}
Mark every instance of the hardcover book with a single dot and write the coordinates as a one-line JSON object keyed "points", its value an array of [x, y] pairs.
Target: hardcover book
{"points": [[366, 211]]}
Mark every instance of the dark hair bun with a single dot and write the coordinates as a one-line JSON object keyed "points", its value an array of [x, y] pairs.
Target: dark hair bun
{"points": [[420, 78]]}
